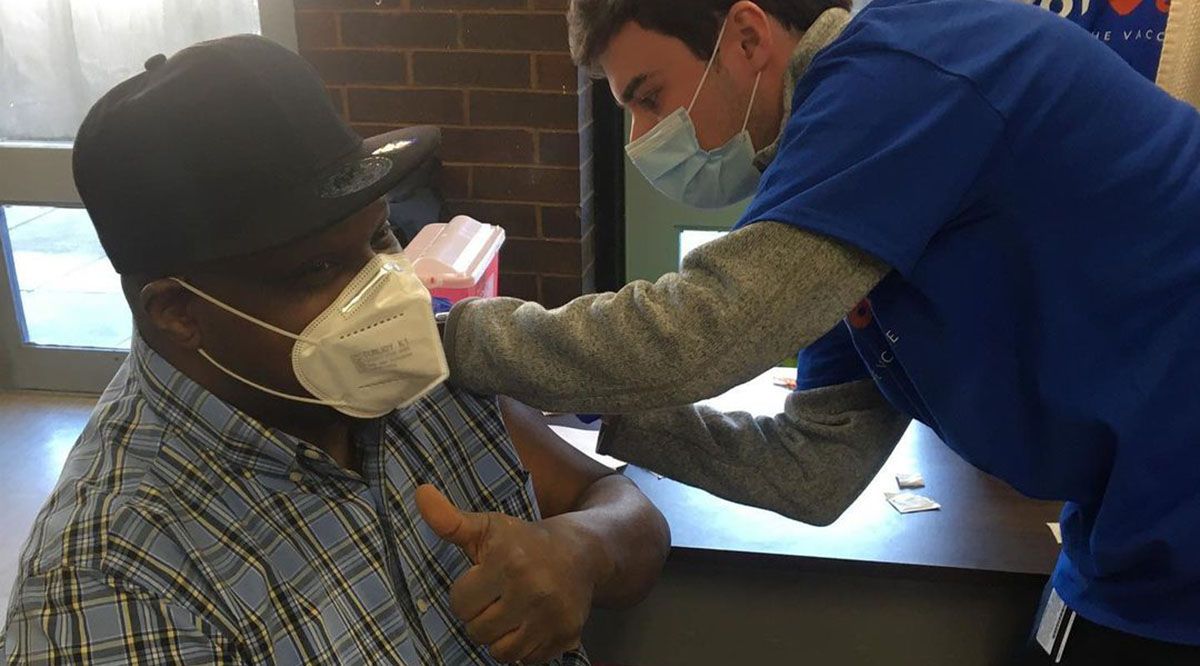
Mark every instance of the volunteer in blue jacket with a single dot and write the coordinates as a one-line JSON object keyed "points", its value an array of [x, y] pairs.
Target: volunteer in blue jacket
{"points": [[1009, 214]]}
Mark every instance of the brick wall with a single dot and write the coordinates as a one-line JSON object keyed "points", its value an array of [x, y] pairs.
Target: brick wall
{"points": [[514, 113]]}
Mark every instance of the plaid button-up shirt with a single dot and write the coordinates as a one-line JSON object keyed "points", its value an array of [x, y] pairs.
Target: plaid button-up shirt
{"points": [[184, 532]]}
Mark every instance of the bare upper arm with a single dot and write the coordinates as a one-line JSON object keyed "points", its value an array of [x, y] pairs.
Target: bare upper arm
{"points": [[561, 474]]}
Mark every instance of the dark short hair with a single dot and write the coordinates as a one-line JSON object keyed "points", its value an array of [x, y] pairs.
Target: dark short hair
{"points": [[593, 23]]}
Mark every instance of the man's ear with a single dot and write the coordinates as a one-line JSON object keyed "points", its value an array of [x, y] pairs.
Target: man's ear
{"points": [[165, 306], [752, 27]]}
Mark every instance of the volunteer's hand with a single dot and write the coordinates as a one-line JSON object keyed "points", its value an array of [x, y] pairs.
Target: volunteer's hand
{"points": [[529, 593]]}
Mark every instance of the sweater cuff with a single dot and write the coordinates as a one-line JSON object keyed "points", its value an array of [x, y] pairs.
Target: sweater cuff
{"points": [[619, 439], [450, 336], [607, 445]]}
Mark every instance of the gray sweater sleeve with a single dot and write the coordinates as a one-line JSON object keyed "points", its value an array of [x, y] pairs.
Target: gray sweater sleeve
{"points": [[739, 305], [808, 463]]}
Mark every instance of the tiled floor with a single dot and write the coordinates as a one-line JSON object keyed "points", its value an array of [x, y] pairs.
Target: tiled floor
{"points": [[69, 292], [37, 433]]}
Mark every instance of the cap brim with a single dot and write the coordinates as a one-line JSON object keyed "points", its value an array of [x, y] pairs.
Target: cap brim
{"points": [[338, 191], [342, 189], [380, 164]]}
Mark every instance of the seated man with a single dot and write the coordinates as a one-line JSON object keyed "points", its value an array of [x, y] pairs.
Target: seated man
{"points": [[246, 491]]}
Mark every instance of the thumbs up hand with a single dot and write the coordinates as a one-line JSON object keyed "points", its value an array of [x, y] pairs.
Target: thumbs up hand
{"points": [[529, 593]]}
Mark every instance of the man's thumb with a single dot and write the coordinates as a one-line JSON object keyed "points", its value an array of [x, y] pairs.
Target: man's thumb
{"points": [[457, 527]]}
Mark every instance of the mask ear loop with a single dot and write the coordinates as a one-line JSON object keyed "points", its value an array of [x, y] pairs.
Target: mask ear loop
{"points": [[234, 311], [269, 327], [753, 94], [708, 68], [264, 389]]}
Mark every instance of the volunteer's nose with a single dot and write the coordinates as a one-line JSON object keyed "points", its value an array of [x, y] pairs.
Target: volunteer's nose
{"points": [[638, 126]]}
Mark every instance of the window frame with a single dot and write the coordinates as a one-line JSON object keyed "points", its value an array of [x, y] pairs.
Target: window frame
{"points": [[39, 174]]}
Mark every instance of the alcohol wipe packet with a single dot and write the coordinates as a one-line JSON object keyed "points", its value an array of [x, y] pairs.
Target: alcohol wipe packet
{"points": [[911, 502]]}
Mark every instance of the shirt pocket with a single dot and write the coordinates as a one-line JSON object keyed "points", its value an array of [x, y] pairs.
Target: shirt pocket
{"points": [[520, 500], [500, 488]]}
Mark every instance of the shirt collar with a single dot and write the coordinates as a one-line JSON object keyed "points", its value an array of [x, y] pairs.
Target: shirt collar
{"points": [[198, 416], [828, 26]]}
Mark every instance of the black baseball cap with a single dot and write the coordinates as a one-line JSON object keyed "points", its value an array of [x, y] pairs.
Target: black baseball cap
{"points": [[229, 147]]}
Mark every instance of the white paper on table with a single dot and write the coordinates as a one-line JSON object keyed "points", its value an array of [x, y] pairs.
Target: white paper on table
{"points": [[759, 396], [911, 502], [585, 441], [1056, 531], [910, 481]]}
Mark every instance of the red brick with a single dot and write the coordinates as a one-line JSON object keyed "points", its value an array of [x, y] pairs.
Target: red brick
{"points": [[316, 30], [542, 257], [470, 4], [488, 146], [518, 220], [486, 70], [347, 4], [519, 285], [561, 222], [558, 148], [360, 66], [515, 32], [527, 184], [517, 109], [406, 106], [456, 182], [558, 291], [557, 72], [399, 29]]}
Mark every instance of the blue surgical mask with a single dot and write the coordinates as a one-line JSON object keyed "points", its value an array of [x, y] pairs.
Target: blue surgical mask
{"points": [[670, 157]]}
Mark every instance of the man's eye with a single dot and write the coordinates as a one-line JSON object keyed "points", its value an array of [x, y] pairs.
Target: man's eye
{"points": [[385, 237], [318, 268]]}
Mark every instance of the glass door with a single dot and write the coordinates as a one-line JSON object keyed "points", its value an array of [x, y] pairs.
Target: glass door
{"points": [[64, 323]]}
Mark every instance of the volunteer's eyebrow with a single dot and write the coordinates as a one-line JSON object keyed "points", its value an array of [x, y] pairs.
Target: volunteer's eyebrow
{"points": [[632, 87]]}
